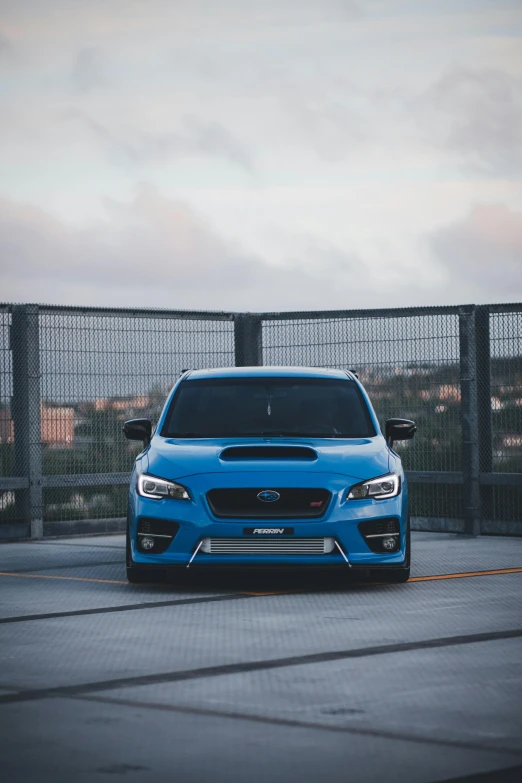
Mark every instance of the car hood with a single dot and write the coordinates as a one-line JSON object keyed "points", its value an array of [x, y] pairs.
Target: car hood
{"points": [[361, 458]]}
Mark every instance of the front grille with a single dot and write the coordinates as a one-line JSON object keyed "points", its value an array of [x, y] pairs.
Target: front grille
{"points": [[267, 546], [293, 503]]}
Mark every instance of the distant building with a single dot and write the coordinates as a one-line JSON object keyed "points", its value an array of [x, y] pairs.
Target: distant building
{"points": [[512, 441], [449, 391], [122, 403], [6, 426], [496, 404], [56, 426]]}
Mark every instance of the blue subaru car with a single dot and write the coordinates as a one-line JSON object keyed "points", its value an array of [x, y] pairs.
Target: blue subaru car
{"points": [[268, 466]]}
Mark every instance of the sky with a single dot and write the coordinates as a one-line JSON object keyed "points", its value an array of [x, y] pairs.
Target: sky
{"points": [[261, 156]]}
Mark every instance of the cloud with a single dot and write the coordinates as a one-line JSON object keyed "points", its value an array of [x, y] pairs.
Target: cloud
{"points": [[284, 125], [325, 119], [476, 114], [149, 242], [149, 252], [195, 137], [7, 49], [157, 252], [88, 72], [483, 253]]}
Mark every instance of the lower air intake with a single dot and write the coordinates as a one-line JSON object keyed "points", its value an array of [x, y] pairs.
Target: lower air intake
{"points": [[154, 536], [267, 546], [381, 535]]}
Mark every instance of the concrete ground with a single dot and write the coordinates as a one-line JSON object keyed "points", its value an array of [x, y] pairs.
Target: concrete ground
{"points": [[260, 678]]}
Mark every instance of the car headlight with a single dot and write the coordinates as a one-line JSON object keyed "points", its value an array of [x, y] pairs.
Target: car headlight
{"points": [[380, 488], [152, 487]]}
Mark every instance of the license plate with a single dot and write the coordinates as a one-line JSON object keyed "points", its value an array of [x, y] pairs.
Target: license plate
{"points": [[268, 531]]}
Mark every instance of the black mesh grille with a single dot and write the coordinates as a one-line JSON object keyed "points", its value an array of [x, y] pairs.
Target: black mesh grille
{"points": [[245, 503], [268, 453], [379, 526]]}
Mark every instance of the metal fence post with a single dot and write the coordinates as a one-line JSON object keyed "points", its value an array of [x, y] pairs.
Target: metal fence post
{"points": [[25, 411], [248, 340], [485, 434], [469, 421]]}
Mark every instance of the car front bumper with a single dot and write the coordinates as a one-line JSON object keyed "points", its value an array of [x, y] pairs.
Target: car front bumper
{"points": [[196, 522]]}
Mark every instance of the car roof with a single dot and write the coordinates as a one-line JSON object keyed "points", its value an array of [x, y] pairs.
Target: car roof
{"points": [[270, 372]]}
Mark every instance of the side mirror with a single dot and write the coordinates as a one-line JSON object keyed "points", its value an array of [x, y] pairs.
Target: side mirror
{"points": [[138, 429], [399, 429]]}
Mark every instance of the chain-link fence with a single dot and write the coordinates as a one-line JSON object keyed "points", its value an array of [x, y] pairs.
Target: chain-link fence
{"points": [[70, 377], [504, 454], [410, 367], [7, 496]]}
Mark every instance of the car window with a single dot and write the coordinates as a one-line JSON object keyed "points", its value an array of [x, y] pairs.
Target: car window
{"points": [[242, 407]]}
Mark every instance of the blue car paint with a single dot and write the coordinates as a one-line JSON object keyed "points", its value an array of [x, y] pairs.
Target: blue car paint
{"points": [[197, 465]]}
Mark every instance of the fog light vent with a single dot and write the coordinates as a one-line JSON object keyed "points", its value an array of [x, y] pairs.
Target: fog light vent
{"points": [[382, 535], [154, 536]]}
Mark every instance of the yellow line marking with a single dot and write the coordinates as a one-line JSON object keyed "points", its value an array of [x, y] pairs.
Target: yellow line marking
{"points": [[433, 578], [66, 578], [463, 575]]}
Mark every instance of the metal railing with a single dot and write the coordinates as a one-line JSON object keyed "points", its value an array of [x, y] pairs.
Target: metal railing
{"points": [[70, 376]]}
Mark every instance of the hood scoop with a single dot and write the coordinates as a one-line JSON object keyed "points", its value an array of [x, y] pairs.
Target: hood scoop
{"points": [[275, 453]]}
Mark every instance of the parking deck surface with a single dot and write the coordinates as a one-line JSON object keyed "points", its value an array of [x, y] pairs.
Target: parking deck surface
{"points": [[261, 678]]}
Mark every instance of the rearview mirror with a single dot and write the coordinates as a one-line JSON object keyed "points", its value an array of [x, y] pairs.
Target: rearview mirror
{"points": [[399, 429], [138, 429]]}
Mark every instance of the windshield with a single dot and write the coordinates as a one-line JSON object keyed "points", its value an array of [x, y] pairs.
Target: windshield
{"points": [[257, 407]]}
